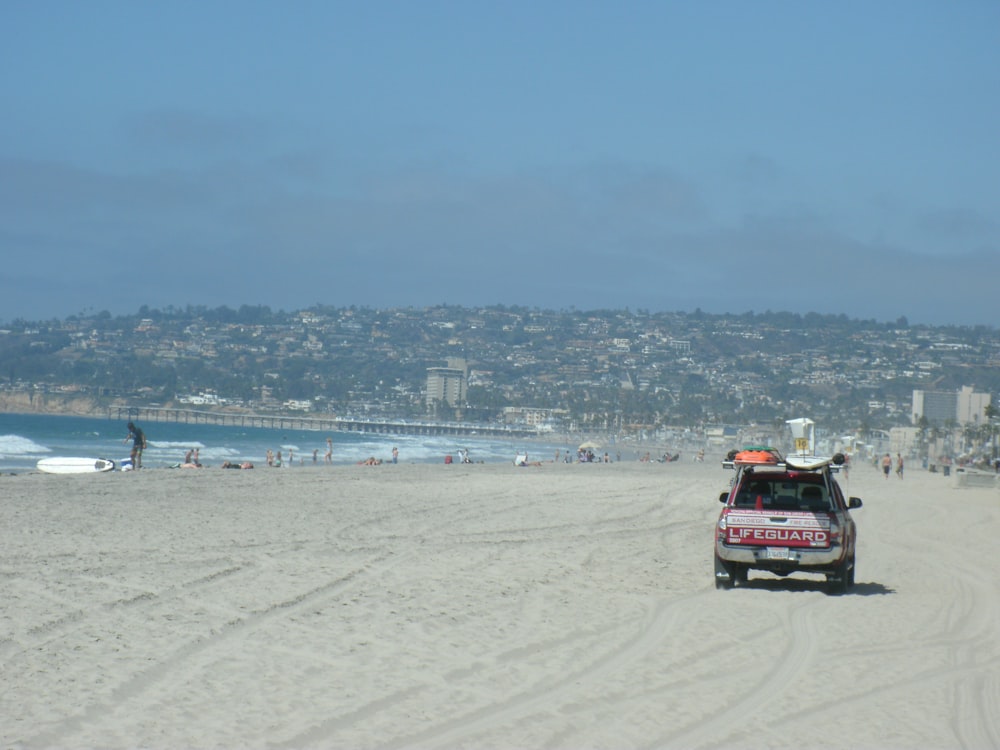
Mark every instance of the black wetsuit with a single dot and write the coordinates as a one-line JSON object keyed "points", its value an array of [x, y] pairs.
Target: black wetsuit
{"points": [[138, 439]]}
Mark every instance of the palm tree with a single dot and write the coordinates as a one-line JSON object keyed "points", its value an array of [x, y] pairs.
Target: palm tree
{"points": [[923, 425], [992, 415], [950, 426]]}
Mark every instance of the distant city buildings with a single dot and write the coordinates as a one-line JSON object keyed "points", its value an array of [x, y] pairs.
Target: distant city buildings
{"points": [[447, 384], [941, 408], [587, 371], [532, 417]]}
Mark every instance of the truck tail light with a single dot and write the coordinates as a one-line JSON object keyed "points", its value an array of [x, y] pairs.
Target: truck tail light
{"points": [[835, 530]]}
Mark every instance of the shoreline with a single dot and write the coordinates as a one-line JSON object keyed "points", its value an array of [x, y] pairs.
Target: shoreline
{"points": [[43, 404], [28, 437]]}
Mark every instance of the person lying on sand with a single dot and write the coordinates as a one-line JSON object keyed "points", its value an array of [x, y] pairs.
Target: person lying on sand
{"points": [[235, 465]]}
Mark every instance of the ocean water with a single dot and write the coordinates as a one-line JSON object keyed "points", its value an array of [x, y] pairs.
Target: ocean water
{"points": [[26, 438]]}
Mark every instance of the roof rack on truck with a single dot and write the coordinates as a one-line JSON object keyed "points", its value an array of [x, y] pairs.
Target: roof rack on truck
{"points": [[803, 458]]}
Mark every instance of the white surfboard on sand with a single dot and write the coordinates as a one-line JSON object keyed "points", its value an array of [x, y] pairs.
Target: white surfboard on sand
{"points": [[74, 465]]}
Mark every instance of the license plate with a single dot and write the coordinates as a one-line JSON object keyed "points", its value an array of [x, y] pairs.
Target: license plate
{"points": [[777, 553]]}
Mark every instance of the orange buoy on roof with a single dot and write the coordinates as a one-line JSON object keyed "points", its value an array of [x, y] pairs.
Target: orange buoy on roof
{"points": [[757, 456]]}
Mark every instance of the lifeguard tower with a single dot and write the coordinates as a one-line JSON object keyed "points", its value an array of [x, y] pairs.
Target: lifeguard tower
{"points": [[803, 435]]}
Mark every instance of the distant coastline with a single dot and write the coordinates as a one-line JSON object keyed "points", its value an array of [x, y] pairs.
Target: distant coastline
{"points": [[33, 402], [66, 405]]}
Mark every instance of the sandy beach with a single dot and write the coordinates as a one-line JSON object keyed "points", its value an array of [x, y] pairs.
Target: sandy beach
{"points": [[481, 606]]}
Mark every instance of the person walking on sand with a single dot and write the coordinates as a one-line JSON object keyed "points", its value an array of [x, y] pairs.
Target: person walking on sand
{"points": [[138, 438], [886, 464], [328, 456], [395, 454], [899, 465]]}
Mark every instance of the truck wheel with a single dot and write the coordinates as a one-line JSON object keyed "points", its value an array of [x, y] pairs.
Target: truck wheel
{"points": [[725, 575], [841, 582]]}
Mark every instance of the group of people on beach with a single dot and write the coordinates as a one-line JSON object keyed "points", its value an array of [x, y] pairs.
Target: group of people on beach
{"points": [[372, 461], [191, 457], [887, 465], [277, 461], [272, 459], [191, 461]]}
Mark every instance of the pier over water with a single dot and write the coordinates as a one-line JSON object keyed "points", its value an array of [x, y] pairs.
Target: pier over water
{"points": [[318, 424]]}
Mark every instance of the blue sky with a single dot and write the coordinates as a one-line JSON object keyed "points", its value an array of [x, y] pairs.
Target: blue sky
{"points": [[730, 156]]}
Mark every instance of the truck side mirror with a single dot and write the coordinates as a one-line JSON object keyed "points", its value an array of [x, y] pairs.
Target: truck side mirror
{"points": [[854, 502], [723, 497]]}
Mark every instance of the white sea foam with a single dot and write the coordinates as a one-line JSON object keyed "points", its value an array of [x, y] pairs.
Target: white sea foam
{"points": [[176, 445], [15, 445]]}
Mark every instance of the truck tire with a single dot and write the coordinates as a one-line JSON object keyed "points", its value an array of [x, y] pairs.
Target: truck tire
{"points": [[741, 574], [725, 574], [841, 581]]}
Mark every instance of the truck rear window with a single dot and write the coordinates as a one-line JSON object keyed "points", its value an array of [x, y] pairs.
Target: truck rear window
{"points": [[782, 493]]}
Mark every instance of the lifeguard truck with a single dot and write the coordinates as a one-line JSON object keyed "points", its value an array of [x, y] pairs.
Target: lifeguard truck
{"points": [[786, 514]]}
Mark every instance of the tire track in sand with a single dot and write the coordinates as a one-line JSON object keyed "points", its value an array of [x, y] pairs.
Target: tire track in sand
{"points": [[462, 730], [184, 657], [61, 733], [796, 659]]}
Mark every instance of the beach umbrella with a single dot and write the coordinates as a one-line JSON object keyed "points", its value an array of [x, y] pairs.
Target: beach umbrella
{"points": [[588, 446]]}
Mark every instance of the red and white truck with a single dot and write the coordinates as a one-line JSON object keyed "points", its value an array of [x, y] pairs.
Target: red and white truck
{"points": [[785, 515]]}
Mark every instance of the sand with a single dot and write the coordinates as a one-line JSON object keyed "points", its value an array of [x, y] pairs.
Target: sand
{"points": [[482, 606]]}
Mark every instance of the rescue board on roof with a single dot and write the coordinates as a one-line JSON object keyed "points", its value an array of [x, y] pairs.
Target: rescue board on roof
{"points": [[807, 463]]}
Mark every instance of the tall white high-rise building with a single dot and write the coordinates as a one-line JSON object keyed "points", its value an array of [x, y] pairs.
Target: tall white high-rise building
{"points": [[447, 384], [963, 407]]}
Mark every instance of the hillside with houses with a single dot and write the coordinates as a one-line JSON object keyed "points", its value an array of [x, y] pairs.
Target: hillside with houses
{"points": [[612, 370]]}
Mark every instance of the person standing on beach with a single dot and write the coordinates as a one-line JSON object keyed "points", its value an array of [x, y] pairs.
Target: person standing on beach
{"points": [[138, 438], [395, 455], [886, 464], [328, 456], [899, 465]]}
